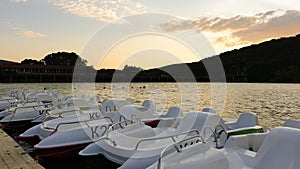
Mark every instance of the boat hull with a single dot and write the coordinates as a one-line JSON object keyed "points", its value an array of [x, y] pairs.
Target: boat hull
{"points": [[62, 152]]}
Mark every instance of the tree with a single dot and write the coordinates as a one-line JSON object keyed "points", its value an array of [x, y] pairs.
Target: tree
{"points": [[63, 58], [132, 69]]}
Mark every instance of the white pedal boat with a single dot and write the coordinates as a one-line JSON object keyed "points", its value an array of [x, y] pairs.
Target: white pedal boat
{"points": [[276, 149], [147, 144], [20, 116], [34, 113], [56, 119], [69, 138], [144, 156], [70, 106], [17, 100], [77, 136], [10, 99]]}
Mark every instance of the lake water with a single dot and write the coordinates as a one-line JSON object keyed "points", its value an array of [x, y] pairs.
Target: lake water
{"points": [[273, 103]]}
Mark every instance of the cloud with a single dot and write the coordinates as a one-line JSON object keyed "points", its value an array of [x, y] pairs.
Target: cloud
{"points": [[242, 30], [102, 10], [31, 34], [17, 1], [285, 25]]}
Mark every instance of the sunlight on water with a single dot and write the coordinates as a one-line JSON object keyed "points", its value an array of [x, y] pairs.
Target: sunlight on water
{"points": [[274, 103]]}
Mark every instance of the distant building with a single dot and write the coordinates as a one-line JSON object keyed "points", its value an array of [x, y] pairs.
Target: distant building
{"points": [[23, 73]]}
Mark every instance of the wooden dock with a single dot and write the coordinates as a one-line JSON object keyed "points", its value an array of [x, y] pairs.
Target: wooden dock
{"points": [[13, 156]]}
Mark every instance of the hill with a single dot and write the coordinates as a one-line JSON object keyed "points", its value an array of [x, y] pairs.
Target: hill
{"points": [[272, 61], [5, 62], [277, 60]]}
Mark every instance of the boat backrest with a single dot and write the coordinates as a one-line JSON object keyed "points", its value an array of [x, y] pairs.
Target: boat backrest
{"points": [[198, 121], [94, 100], [29, 91], [174, 112], [44, 98], [77, 102], [279, 150], [292, 123], [134, 111], [16, 92], [245, 120], [65, 98], [30, 95], [209, 110], [110, 105], [150, 105]]}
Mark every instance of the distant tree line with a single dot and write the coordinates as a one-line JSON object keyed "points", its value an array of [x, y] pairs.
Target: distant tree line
{"points": [[272, 61], [277, 60]]}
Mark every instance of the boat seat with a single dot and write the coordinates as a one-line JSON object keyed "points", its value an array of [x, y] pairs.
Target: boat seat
{"points": [[279, 150], [198, 121], [251, 142], [137, 130], [244, 120], [292, 123], [173, 112], [131, 135]]}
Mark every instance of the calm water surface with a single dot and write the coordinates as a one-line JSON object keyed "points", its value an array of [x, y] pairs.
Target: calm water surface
{"points": [[274, 103]]}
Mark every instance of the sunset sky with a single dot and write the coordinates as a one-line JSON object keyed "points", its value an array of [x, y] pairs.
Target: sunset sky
{"points": [[93, 29]]}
